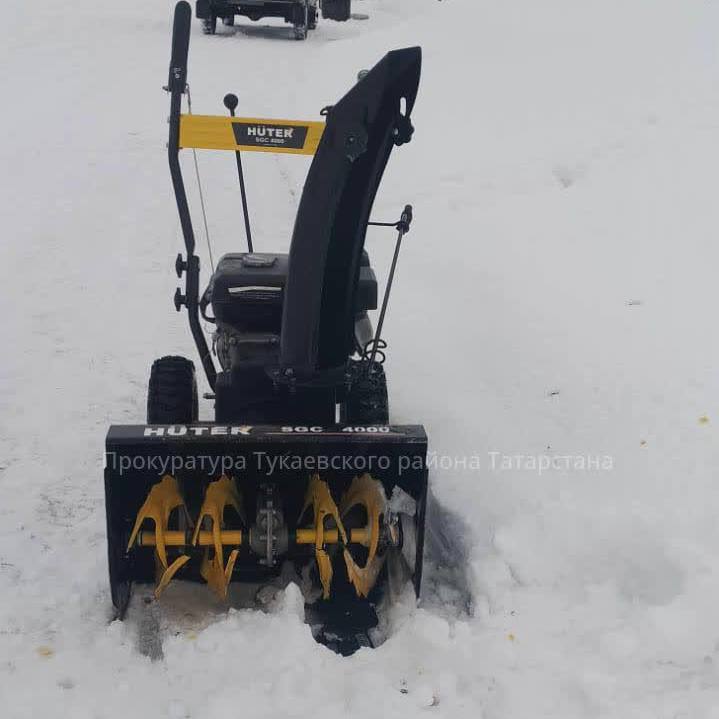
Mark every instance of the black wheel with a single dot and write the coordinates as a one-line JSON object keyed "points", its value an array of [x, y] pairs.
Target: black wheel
{"points": [[228, 20], [300, 22], [367, 401], [209, 25], [339, 10], [172, 392]]}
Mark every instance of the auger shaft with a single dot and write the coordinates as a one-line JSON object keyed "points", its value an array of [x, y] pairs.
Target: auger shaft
{"points": [[184, 539], [332, 536], [236, 537]]}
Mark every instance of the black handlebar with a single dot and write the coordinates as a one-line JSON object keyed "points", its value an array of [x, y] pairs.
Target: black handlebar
{"points": [[177, 78], [176, 86]]}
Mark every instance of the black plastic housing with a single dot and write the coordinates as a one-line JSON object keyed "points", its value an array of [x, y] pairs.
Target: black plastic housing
{"points": [[329, 233], [247, 290], [136, 454], [289, 10]]}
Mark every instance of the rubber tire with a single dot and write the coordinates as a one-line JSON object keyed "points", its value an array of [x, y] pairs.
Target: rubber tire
{"points": [[301, 21], [337, 10], [209, 25], [172, 392], [367, 401], [228, 21]]}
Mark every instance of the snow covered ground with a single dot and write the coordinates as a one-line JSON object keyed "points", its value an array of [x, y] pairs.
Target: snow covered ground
{"points": [[556, 298]]}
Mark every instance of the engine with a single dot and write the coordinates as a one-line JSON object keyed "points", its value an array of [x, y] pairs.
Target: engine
{"points": [[247, 292]]}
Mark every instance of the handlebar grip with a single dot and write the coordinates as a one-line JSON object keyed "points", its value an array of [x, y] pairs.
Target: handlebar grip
{"points": [[406, 219], [177, 78]]}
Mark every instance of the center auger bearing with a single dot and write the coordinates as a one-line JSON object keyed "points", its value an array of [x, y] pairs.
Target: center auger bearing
{"points": [[361, 527]]}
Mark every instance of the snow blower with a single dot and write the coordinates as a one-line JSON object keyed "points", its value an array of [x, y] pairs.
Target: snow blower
{"points": [[300, 471], [301, 14]]}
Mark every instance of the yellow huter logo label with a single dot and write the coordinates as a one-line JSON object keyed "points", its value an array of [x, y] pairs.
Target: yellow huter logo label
{"points": [[214, 132]]}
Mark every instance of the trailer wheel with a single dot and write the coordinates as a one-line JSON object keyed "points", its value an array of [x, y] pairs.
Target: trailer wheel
{"points": [[300, 20], [172, 392], [209, 25], [367, 401], [339, 10]]}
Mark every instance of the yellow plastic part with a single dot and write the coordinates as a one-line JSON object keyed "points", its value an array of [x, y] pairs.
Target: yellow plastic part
{"points": [[204, 538], [163, 499], [332, 536], [164, 578], [370, 494], [323, 506], [219, 494], [216, 132]]}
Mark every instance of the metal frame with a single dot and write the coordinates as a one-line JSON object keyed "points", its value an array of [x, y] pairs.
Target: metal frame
{"points": [[176, 86]]}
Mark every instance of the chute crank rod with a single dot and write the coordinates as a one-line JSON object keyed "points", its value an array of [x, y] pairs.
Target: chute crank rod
{"points": [[402, 230], [230, 101]]}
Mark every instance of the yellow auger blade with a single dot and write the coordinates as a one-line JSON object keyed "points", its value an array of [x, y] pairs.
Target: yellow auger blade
{"points": [[163, 499], [163, 578], [219, 494], [370, 494], [318, 496]]}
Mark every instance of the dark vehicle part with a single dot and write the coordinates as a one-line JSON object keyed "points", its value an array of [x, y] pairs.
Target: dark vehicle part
{"points": [[301, 14], [172, 392], [339, 10]]}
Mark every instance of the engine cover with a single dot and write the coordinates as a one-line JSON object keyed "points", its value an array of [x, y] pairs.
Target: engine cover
{"points": [[247, 290]]}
